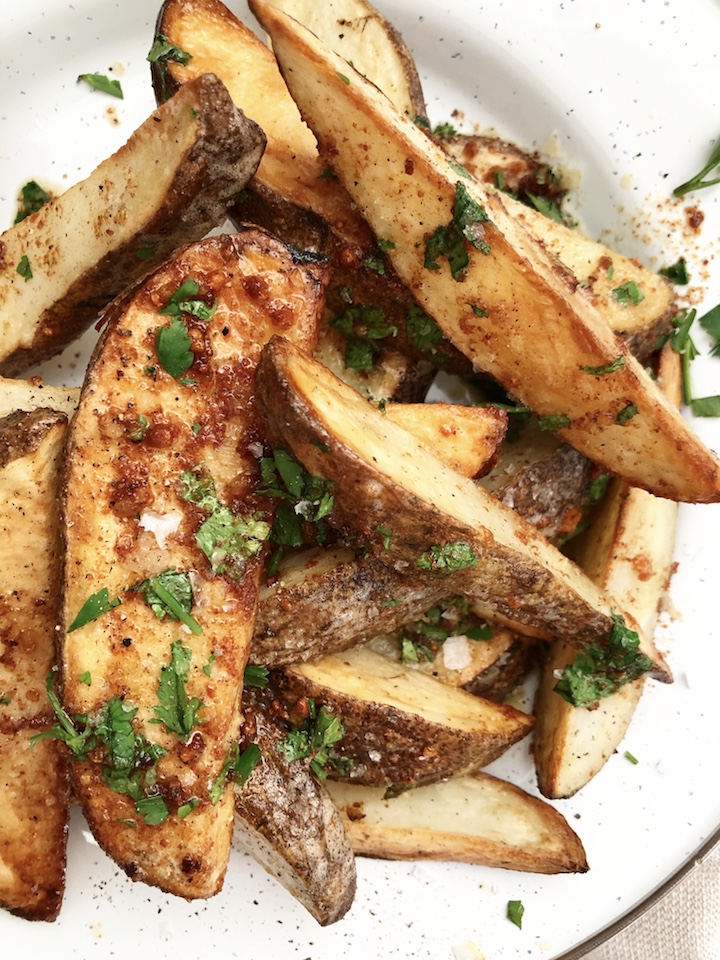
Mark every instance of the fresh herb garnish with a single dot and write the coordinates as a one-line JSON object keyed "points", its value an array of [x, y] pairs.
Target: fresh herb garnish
{"points": [[631, 758], [601, 669], [444, 130], [554, 421], [176, 711], [682, 343], [548, 208], [450, 240], [170, 594], [163, 52], [628, 294], [627, 413], [515, 911], [24, 268], [227, 540], [32, 198], [187, 808], [343, 78], [677, 273], [315, 740], [85, 678], [697, 182], [424, 334], [138, 431], [95, 606], [102, 83], [363, 327], [256, 675], [172, 345], [412, 651], [236, 767], [598, 487], [447, 557], [611, 367], [385, 535], [305, 498], [185, 300], [5, 699]]}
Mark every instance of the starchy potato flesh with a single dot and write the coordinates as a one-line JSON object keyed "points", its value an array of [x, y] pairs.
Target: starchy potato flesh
{"points": [[628, 551], [600, 269], [473, 819], [33, 779], [119, 497], [537, 329], [386, 481], [31, 394], [122, 222], [285, 818], [401, 726]]}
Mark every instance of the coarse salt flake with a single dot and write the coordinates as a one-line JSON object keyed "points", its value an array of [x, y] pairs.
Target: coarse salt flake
{"points": [[161, 525], [456, 652]]}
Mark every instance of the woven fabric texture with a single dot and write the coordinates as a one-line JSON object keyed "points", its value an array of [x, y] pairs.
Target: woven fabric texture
{"points": [[684, 925]]}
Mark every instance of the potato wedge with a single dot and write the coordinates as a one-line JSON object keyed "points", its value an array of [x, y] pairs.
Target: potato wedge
{"points": [[402, 727], [416, 512], [628, 550], [602, 271], [202, 151], [161, 473], [286, 820], [474, 819], [514, 294], [34, 788], [31, 394]]}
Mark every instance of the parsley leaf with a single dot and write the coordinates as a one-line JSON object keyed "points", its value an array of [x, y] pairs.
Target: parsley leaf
{"points": [[601, 669], [677, 273], [363, 327], [424, 334], [236, 766], [255, 675], [162, 49], [682, 343], [449, 240], [515, 911], [33, 197], [95, 606], [628, 294], [627, 413], [102, 83], [315, 741], [175, 710], [172, 345], [555, 421], [184, 300], [170, 594], [447, 557], [611, 367], [24, 268]]}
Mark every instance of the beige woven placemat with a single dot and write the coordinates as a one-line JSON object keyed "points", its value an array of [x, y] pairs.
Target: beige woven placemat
{"points": [[683, 925]]}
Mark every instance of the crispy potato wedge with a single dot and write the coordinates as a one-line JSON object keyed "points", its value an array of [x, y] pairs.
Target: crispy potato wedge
{"points": [[202, 151], [285, 818], [34, 788], [600, 269], [628, 550], [161, 474], [438, 521], [31, 394], [474, 819], [513, 290], [402, 727]]}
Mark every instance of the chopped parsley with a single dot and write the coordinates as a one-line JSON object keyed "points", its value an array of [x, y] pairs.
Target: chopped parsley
{"points": [[627, 413], [598, 487], [95, 606], [424, 334], [363, 328], [32, 198], [422, 639], [315, 741], [698, 182], [237, 767], [385, 535], [450, 240], [176, 711], [682, 343], [99, 81], [515, 911], [447, 557], [256, 675], [677, 273], [631, 758], [172, 345], [548, 208], [5, 699], [24, 268], [628, 294], [554, 421], [85, 678], [227, 540], [306, 499], [444, 130], [611, 367], [601, 669], [138, 431], [163, 52], [185, 300], [170, 594], [344, 78]]}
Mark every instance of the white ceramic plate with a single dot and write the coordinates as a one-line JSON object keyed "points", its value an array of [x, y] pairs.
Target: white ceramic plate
{"points": [[628, 93]]}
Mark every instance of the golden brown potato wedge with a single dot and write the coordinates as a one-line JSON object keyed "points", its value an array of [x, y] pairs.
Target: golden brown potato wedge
{"points": [[34, 790], [474, 819], [202, 151], [402, 727], [628, 550], [161, 475], [513, 293], [602, 271], [417, 513], [285, 818]]}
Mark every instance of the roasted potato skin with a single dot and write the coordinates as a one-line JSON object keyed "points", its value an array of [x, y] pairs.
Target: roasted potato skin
{"points": [[207, 151], [287, 820], [34, 783]]}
